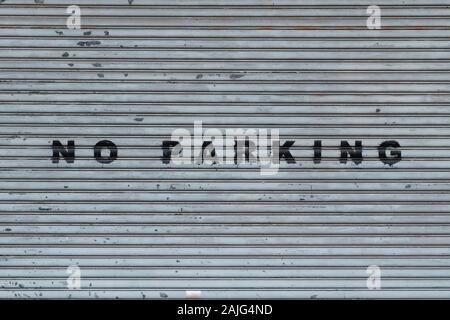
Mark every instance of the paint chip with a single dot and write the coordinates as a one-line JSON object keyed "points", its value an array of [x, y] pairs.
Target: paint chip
{"points": [[89, 43], [236, 76]]}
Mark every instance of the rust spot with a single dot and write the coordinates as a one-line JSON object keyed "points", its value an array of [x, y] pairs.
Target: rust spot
{"points": [[421, 28], [307, 28], [265, 28]]}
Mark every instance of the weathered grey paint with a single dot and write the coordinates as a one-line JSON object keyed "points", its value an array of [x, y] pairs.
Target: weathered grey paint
{"points": [[139, 69]]}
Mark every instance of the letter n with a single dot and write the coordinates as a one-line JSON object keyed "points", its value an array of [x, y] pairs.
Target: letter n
{"points": [[355, 153], [68, 154]]}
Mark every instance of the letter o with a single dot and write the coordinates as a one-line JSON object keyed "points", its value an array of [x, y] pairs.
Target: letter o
{"points": [[108, 145]]}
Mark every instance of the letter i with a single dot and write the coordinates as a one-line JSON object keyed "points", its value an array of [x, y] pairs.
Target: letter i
{"points": [[317, 151]]}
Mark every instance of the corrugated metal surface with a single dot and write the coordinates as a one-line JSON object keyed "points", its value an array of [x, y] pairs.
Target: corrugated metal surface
{"points": [[140, 228]]}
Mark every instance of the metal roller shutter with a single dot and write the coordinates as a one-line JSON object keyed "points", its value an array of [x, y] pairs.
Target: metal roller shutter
{"points": [[139, 228]]}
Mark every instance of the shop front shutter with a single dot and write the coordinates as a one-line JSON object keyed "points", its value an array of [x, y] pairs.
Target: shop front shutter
{"points": [[140, 228]]}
